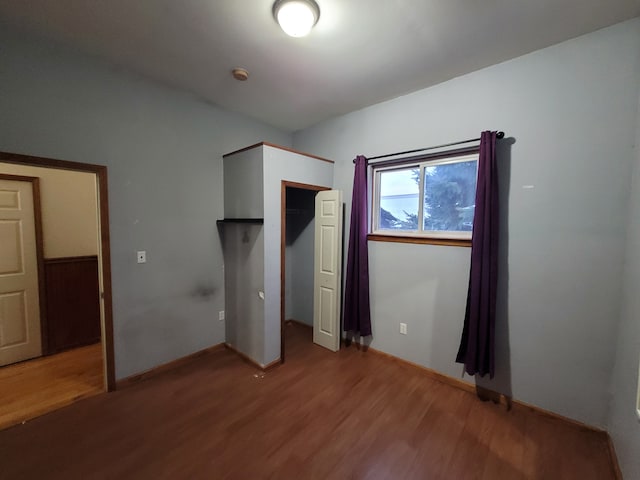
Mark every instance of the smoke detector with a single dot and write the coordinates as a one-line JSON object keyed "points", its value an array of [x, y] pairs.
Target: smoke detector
{"points": [[240, 74]]}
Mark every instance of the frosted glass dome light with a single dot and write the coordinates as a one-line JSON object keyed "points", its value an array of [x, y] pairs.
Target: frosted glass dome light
{"points": [[296, 17]]}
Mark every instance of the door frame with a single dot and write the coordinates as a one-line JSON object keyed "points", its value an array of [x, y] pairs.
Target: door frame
{"points": [[283, 241], [105, 251], [37, 220]]}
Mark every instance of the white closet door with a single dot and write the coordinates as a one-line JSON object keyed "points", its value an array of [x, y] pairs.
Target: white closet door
{"points": [[327, 269]]}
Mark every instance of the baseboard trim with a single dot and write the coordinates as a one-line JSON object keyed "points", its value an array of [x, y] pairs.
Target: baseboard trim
{"points": [[251, 361], [485, 393], [617, 473], [481, 392], [298, 322], [549, 414], [440, 377], [165, 367], [271, 365]]}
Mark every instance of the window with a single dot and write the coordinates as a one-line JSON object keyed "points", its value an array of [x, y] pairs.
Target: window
{"points": [[429, 198]]}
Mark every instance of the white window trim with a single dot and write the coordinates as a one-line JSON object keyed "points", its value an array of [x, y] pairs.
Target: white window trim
{"points": [[420, 233]]}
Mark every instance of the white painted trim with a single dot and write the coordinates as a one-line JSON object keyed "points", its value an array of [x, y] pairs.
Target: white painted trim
{"points": [[420, 233]]}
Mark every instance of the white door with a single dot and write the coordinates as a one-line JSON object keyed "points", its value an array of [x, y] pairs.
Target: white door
{"points": [[327, 269], [19, 302]]}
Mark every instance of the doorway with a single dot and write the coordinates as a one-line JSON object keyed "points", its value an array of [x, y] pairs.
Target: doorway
{"points": [[62, 349], [297, 263]]}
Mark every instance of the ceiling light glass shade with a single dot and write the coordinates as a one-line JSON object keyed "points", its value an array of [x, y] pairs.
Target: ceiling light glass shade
{"points": [[296, 17]]}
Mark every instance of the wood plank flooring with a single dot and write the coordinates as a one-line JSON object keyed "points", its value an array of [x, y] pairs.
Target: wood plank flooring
{"points": [[321, 415], [32, 388]]}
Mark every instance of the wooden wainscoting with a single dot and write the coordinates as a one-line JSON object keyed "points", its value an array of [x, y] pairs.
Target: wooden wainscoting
{"points": [[72, 302]]}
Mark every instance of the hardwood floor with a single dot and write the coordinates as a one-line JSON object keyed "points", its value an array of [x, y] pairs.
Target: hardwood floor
{"points": [[32, 388], [348, 415]]}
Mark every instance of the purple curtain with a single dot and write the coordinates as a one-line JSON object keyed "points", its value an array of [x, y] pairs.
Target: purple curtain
{"points": [[357, 314], [476, 350]]}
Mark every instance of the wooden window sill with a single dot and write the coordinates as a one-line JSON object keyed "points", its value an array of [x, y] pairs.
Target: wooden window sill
{"points": [[421, 240]]}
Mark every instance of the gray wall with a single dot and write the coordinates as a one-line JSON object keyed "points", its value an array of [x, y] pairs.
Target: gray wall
{"points": [[163, 149], [624, 425], [565, 183], [243, 246], [302, 276], [243, 185], [288, 306], [282, 165], [243, 250]]}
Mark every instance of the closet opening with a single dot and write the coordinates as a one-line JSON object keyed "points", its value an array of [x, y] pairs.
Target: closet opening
{"points": [[297, 266]]}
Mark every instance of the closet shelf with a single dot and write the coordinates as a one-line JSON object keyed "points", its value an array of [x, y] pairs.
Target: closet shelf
{"points": [[240, 220]]}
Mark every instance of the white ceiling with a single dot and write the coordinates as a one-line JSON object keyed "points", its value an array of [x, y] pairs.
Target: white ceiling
{"points": [[361, 51]]}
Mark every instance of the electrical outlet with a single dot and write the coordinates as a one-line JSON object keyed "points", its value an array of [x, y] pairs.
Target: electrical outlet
{"points": [[142, 256], [221, 315], [403, 328]]}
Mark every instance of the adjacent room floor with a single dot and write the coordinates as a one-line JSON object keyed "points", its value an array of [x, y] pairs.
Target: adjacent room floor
{"points": [[321, 415], [41, 385]]}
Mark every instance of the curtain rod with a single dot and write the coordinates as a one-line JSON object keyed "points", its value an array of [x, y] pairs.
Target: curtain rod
{"points": [[498, 135]]}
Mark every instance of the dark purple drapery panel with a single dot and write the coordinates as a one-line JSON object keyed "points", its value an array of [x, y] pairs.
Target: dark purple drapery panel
{"points": [[357, 313], [477, 351]]}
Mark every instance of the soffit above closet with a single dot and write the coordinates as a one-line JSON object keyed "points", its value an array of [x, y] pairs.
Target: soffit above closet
{"points": [[279, 147], [360, 52]]}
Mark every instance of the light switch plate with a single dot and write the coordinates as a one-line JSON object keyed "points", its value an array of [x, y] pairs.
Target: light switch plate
{"points": [[142, 256]]}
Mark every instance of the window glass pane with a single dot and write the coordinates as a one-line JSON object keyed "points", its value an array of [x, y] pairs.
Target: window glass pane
{"points": [[399, 192], [449, 196]]}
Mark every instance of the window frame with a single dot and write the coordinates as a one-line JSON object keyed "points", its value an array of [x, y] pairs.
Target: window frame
{"points": [[420, 236]]}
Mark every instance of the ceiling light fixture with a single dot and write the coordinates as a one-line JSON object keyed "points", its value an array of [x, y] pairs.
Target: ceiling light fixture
{"points": [[296, 17]]}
